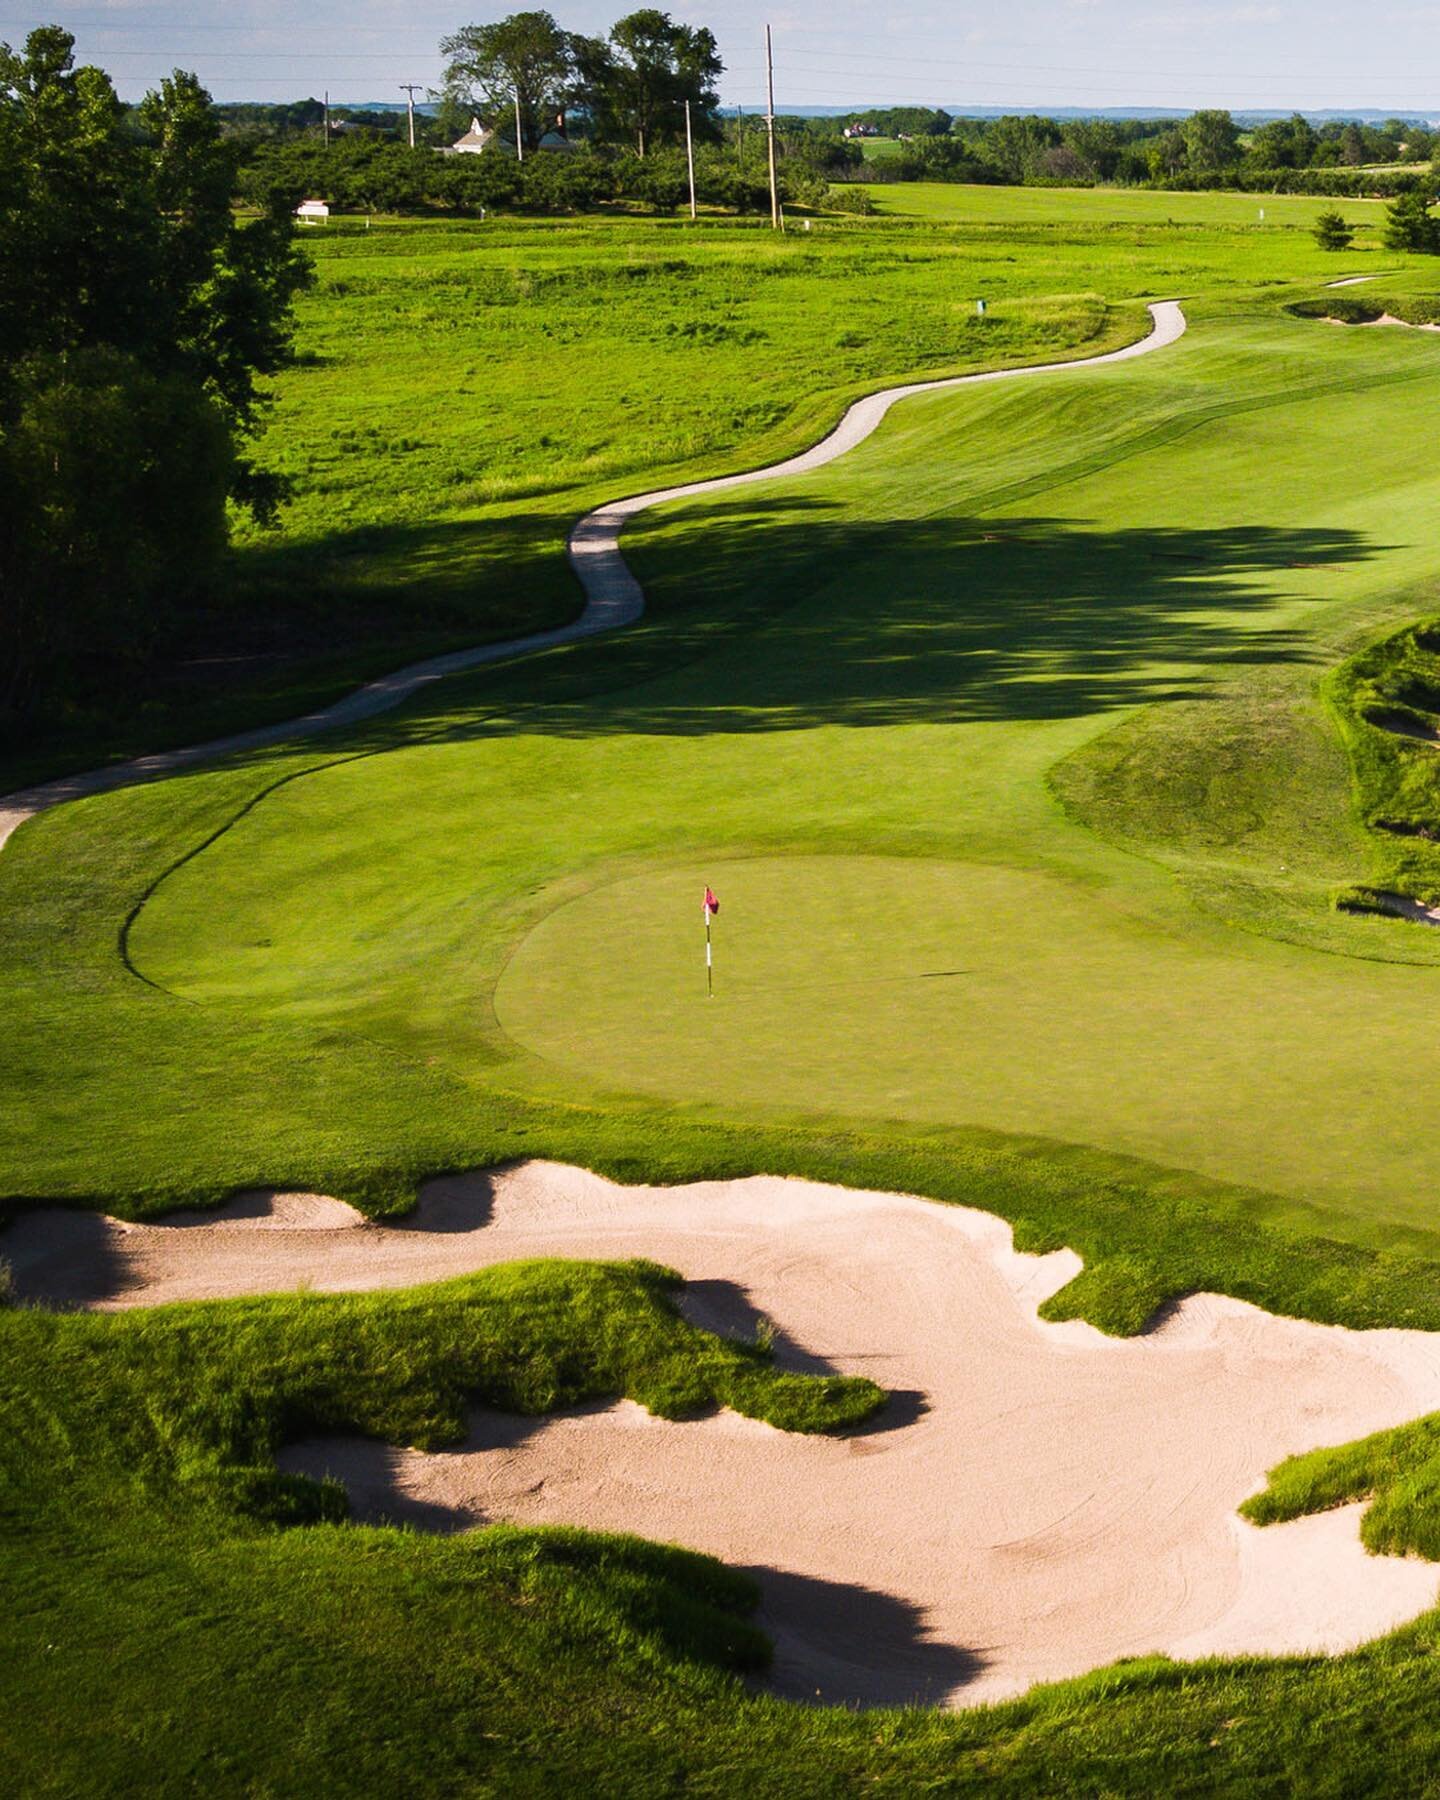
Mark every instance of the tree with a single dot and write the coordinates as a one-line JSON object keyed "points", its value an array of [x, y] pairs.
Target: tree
{"points": [[1166, 156], [634, 83], [112, 512], [1212, 142], [136, 314], [1409, 225], [525, 57], [1352, 146], [1284, 143], [1014, 144], [1097, 144], [1332, 233]]}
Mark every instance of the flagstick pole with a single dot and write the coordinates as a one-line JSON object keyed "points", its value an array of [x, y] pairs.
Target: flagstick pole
{"points": [[709, 966]]}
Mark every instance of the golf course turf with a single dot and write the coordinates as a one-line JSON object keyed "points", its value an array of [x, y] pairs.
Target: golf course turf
{"points": [[1020, 747]]}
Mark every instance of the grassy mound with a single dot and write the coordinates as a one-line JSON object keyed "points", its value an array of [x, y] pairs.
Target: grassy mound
{"points": [[1387, 700]]}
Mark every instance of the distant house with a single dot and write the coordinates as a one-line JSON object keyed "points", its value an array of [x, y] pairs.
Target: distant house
{"points": [[312, 212], [861, 131], [478, 139]]}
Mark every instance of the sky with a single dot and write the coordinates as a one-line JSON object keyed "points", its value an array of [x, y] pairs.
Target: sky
{"points": [[1027, 53]]}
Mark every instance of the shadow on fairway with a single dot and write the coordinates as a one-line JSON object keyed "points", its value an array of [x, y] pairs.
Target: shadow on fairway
{"points": [[780, 617]]}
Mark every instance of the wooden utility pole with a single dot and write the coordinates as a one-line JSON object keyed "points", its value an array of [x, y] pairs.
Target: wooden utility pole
{"points": [[410, 89], [770, 130], [327, 117], [690, 158], [519, 135]]}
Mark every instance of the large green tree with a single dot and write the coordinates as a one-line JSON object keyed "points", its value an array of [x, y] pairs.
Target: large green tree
{"points": [[1212, 142], [1284, 143], [525, 58], [633, 84], [136, 318]]}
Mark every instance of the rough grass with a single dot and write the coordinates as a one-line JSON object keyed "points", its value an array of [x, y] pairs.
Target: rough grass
{"points": [[1397, 1471], [1386, 701], [1372, 305]]}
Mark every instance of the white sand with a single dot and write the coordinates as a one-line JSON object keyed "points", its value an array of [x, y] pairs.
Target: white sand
{"points": [[1036, 1501], [613, 597]]}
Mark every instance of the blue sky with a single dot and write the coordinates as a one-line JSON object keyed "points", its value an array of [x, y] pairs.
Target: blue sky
{"points": [[1327, 53]]}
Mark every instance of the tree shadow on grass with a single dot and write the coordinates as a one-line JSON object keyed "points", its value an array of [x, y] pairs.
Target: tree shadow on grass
{"points": [[783, 615]]}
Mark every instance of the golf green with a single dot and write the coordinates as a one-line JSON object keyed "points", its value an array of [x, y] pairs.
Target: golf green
{"points": [[948, 992]]}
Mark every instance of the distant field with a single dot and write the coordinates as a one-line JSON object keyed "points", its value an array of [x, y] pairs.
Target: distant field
{"points": [[954, 203]]}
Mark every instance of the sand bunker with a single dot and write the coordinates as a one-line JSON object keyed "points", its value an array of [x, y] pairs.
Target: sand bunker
{"points": [[1384, 318], [1036, 1501]]}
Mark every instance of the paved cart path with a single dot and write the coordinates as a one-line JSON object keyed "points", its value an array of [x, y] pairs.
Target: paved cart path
{"points": [[613, 597]]}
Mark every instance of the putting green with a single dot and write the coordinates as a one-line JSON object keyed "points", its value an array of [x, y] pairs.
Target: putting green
{"points": [[951, 992]]}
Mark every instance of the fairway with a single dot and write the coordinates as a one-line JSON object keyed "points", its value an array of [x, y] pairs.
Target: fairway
{"points": [[928, 634]]}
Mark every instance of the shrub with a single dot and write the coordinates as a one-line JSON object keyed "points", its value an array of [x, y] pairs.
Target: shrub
{"points": [[1332, 233], [1409, 225], [849, 199]]}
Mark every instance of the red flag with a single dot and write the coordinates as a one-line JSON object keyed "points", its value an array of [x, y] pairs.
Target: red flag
{"points": [[712, 905]]}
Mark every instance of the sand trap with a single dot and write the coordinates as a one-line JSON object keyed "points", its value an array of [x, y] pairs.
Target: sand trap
{"points": [[1384, 319], [1395, 906], [1036, 1501]]}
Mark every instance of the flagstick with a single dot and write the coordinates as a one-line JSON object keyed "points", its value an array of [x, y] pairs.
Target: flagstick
{"points": [[709, 966]]}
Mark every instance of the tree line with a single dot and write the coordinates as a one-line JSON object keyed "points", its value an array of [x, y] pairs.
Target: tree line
{"points": [[1207, 150], [136, 316], [371, 174]]}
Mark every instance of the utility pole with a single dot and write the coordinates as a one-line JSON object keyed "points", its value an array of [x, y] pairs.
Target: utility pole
{"points": [[690, 158], [770, 129], [410, 89], [740, 137], [327, 118], [519, 136]]}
